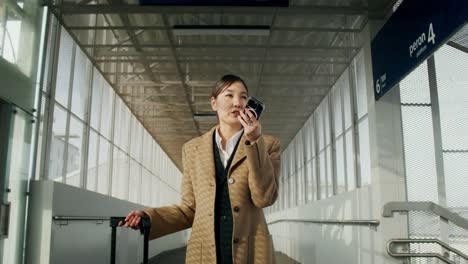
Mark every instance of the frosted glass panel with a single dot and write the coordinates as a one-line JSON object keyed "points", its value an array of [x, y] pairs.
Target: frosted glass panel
{"points": [[57, 144], [340, 169], [364, 152], [361, 86], [80, 84], [92, 161], [350, 162], [103, 166], [62, 86], [75, 141], [96, 99], [106, 109]]}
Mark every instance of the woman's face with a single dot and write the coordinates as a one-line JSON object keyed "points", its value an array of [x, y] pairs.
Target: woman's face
{"points": [[229, 102]]}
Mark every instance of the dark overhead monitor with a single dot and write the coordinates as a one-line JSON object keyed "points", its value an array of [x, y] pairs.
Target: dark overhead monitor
{"points": [[259, 3]]}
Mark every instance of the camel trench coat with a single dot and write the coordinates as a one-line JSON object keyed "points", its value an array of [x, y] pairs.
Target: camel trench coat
{"points": [[253, 185]]}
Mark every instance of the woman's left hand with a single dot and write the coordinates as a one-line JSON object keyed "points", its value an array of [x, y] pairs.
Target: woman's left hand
{"points": [[252, 127]]}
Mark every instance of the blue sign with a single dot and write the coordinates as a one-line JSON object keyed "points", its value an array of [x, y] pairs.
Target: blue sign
{"points": [[267, 3], [411, 34]]}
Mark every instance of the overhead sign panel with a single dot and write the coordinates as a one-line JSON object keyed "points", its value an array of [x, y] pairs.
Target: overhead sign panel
{"points": [[411, 34], [267, 3]]}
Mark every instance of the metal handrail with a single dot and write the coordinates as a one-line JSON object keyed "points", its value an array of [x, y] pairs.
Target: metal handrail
{"points": [[81, 218], [330, 222], [436, 209], [424, 255]]}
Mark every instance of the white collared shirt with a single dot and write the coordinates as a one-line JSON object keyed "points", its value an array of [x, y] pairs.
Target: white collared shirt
{"points": [[230, 145]]}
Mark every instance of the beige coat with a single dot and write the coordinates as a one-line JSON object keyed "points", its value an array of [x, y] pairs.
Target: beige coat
{"points": [[255, 170]]}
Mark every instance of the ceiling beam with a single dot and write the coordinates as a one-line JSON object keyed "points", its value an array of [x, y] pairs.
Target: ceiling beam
{"points": [[71, 9], [216, 73], [290, 29], [226, 60], [211, 46]]}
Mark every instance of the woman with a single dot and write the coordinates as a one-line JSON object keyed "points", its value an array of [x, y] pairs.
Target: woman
{"points": [[230, 174]]}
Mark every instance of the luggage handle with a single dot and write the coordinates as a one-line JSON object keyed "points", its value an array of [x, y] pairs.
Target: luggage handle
{"points": [[145, 226]]}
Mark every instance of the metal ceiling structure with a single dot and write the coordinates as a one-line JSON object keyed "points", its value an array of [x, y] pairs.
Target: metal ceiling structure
{"points": [[166, 79]]}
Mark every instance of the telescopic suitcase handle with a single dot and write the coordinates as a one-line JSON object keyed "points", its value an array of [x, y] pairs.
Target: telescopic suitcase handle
{"points": [[145, 226]]}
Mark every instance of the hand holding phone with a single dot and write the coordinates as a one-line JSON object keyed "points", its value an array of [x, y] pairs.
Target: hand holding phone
{"points": [[255, 106]]}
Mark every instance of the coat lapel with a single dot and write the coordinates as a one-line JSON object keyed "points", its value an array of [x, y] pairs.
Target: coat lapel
{"points": [[206, 149]]}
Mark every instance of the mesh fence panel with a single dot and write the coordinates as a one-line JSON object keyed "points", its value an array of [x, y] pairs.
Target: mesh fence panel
{"points": [[419, 127]]}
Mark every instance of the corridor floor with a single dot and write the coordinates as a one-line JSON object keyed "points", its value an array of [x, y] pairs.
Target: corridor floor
{"points": [[177, 256]]}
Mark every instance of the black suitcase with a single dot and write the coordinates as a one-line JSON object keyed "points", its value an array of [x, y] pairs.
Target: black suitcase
{"points": [[145, 226]]}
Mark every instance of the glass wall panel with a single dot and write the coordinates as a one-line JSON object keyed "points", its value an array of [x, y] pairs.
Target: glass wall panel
{"points": [[75, 143], [156, 159], [320, 129], [17, 139], [299, 148], [350, 167], [308, 134], [96, 99], [134, 181], [80, 84], [360, 83], [340, 170], [65, 59], [287, 199], [11, 34], [364, 152], [300, 185], [310, 180], [91, 182], [146, 187], [136, 135], [3, 15], [57, 144], [20, 37], [103, 166], [337, 114], [346, 99], [106, 110], [155, 183], [329, 172], [326, 118], [292, 159], [124, 166], [147, 150], [115, 178], [125, 128], [117, 120], [323, 176]]}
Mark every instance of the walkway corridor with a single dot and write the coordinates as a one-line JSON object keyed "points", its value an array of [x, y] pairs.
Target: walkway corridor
{"points": [[177, 256]]}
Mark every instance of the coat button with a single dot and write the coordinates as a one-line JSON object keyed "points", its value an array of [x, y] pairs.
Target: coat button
{"points": [[236, 240], [236, 209], [231, 180]]}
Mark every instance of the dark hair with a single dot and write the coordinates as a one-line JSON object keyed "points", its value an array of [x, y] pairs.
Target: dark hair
{"points": [[225, 82]]}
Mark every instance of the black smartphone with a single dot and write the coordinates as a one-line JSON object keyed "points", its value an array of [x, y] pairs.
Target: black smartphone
{"points": [[254, 105]]}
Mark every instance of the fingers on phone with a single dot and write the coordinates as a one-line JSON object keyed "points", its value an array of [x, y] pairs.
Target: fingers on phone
{"points": [[252, 115]]}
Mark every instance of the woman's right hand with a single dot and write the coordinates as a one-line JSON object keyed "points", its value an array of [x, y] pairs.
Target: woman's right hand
{"points": [[133, 219]]}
